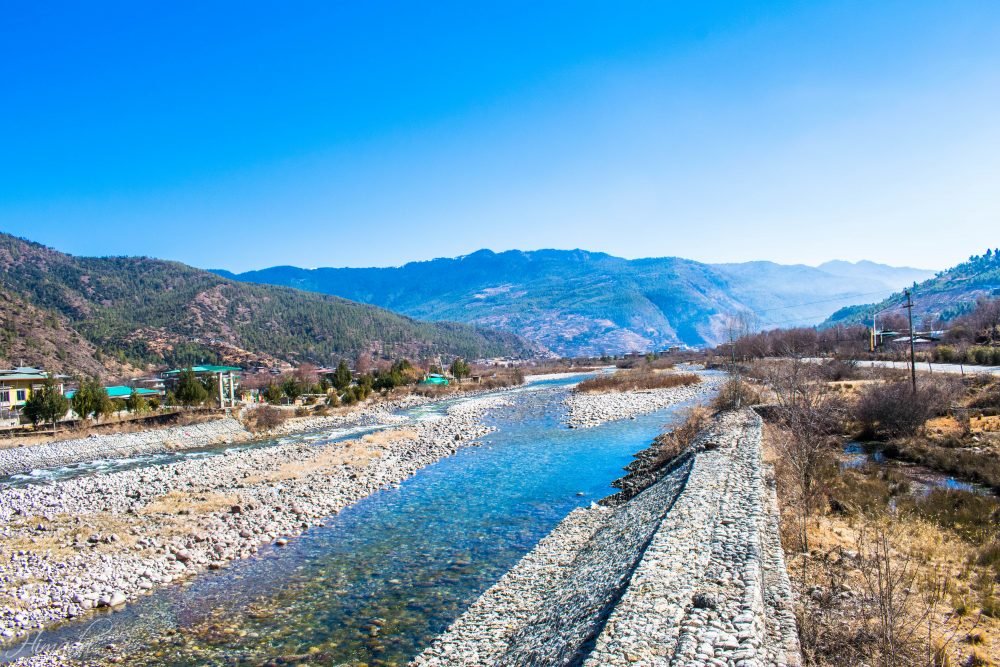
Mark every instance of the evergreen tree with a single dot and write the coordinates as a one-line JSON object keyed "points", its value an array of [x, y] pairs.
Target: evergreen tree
{"points": [[342, 376], [46, 404], [136, 403], [272, 393], [91, 399], [190, 390], [460, 369]]}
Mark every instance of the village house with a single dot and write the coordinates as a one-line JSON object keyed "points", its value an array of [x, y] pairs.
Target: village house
{"points": [[16, 387]]}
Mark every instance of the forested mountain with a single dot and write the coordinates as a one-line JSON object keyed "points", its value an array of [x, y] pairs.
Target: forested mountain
{"points": [[83, 314], [945, 296], [579, 302]]}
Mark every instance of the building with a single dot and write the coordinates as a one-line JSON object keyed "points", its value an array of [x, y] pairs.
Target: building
{"points": [[123, 392], [434, 379], [226, 378], [16, 387]]}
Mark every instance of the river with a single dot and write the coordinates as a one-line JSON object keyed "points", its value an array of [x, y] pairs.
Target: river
{"points": [[378, 581]]}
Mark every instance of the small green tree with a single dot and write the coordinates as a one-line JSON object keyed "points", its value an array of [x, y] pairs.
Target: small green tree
{"points": [[460, 369], [272, 393], [136, 403], [190, 390], [46, 404], [91, 400], [292, 388], [342, 376]]}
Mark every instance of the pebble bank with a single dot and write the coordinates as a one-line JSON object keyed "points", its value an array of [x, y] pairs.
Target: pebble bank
{"points": [[588, 409]]}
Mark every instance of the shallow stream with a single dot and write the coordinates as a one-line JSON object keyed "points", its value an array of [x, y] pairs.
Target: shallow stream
{"points": [[378, 581]]}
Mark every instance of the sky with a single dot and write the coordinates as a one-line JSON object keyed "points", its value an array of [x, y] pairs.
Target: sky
{"points": [[245, 135]]}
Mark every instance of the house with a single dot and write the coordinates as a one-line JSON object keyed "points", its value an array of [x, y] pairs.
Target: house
{"points": [[434, 379], [16, 387]]}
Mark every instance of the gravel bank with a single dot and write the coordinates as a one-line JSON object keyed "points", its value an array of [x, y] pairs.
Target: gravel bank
{"points": [[694, 577], [585, 410], [119, 445], [154, 441], [101, 541]]}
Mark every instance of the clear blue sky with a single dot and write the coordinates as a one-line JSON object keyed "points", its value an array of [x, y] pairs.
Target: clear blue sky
{"points": [[243, 135]]}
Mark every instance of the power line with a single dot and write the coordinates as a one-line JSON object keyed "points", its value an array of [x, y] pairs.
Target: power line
{"points": [[811, 303]]}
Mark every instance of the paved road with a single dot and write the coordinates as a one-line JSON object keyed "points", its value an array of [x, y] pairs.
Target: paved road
{"points": [[961, 369]]}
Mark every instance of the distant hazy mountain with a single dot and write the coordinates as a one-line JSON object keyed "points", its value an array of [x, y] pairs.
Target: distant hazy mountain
{"points": [[946, 295], [579, 302], [897, 277], [111, 315]]}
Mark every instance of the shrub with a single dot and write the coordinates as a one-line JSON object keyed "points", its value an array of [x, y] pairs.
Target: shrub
{"points": [[267, 417], [301, 411], [631, 380], [945, 354], [893, 410], [735, 393]]}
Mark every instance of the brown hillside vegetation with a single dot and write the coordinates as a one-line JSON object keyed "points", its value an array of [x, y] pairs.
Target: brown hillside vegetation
{"points": [[31, 336]]}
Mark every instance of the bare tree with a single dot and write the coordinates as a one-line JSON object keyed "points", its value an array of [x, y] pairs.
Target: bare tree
{"points": [[889, 577]]}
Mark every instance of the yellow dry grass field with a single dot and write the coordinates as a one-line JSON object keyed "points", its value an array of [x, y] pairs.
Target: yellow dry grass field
{"points": [[943, 576], [950, 426], [944, 567], [848, 387]]}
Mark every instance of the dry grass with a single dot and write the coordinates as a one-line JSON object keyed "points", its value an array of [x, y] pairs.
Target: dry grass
{"points": [[64, 530], [181, 502], [945, 578], [635, 380], [356, 453]]}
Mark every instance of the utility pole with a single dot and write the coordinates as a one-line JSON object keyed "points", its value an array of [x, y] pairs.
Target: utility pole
{"points": [[913, 363]]}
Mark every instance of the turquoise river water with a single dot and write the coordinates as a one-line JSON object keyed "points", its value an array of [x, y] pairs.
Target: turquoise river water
{"points": [[378, 581]]}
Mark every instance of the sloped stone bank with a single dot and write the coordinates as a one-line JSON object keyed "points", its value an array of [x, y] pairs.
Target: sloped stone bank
{"points": [[688, 572]]}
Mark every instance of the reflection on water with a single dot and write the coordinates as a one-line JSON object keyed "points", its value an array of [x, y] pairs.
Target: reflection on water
{"points": [[922, 480], [382, 578]]}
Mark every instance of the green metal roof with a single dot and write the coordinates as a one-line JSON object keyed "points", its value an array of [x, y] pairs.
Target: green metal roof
{"points": [[121, 391], [205, 369]]}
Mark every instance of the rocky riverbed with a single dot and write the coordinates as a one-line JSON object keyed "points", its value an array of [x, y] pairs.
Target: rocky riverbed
{"points": [[193, 436], [587, 409], [689, 571], [100, 541], [118, 445]]}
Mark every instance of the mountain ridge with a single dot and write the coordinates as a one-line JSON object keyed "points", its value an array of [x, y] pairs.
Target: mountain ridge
{"points": [[945, 296], [582, 302], [119, 314]]}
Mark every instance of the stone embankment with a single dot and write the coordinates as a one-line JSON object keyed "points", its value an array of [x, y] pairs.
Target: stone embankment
{"points": [[587, 409], [100, 541], [687, 572]]}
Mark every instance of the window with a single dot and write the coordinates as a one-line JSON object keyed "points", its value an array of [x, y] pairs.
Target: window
{"points": [[5, 396], [22, 394]]}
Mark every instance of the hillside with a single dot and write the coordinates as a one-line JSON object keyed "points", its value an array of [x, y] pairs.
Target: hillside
{"points": [[578, 302], [89, 315], [947, 295]]}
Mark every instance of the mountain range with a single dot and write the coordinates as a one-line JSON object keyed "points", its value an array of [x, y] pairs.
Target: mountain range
{"points": [[117, 315], [575, 302]]}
